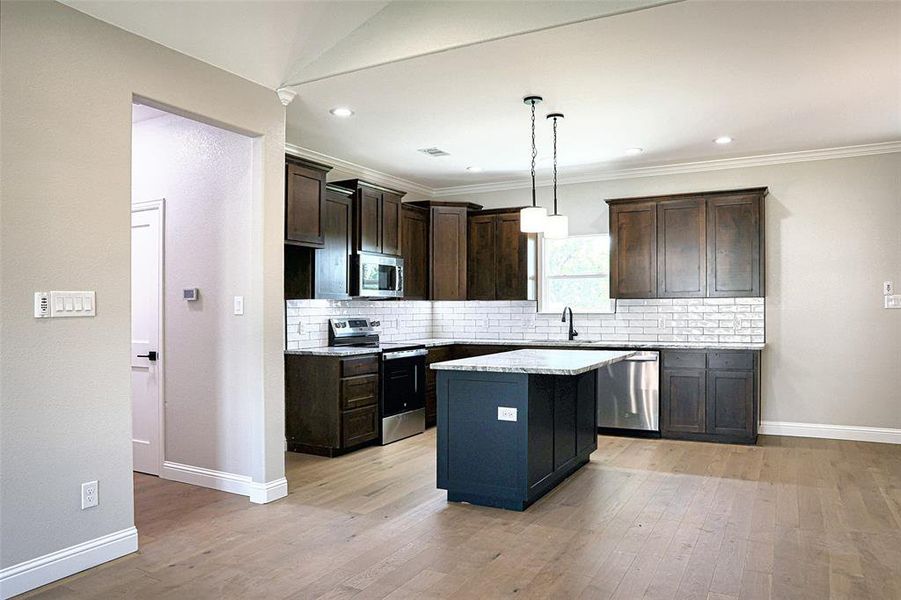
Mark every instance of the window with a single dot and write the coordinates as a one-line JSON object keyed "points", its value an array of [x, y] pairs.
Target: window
{"points": [[574, 272]]}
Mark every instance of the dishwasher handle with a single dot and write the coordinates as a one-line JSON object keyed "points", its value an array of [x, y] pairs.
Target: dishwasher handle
{"points": [[642, 358]]}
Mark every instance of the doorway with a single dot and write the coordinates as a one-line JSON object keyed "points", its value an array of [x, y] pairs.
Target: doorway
{"points": [[146, 336]]}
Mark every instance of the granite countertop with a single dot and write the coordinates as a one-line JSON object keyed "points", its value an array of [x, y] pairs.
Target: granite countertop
{"points": [[587, 344], [536, 362]]}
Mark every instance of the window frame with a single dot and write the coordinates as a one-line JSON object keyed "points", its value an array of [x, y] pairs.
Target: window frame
{"points": [[541, 280]]}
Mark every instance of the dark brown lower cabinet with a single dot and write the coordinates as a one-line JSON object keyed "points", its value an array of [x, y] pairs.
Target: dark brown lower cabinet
{"points": [[684, 405], [437, 354], [331, 403], [710, 395], [730, 403]]}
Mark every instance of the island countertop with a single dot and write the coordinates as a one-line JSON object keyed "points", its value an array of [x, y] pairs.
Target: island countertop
{"points": [[536, 362]]}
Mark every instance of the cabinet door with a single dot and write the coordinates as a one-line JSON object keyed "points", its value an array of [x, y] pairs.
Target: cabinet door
{"points": [[730, 403], [304, 205], [681, 248], [682, 401], [482, 258], [332, 276], [512, 268], [359, 425], [448, 253], [391, 226], [734, 252], [633, 250], [369, 220], [415, 243]]}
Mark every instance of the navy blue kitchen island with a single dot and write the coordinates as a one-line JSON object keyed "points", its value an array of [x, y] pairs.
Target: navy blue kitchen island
{"points": [[513, 425]]}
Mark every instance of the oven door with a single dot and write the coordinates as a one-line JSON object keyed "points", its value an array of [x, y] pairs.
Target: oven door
{"points": [[379, 276], [403, 382]]}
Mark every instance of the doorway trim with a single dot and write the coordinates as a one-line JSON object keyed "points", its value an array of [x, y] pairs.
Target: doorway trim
{"points": [[159, 205]]}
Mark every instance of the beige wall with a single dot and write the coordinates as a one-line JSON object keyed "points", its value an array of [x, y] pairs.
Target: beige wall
{"points": [[67, 83], [833, 235]]}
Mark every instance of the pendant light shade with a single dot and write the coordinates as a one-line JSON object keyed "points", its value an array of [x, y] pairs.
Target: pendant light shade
{"points": [[557, 225], [532, 218]]}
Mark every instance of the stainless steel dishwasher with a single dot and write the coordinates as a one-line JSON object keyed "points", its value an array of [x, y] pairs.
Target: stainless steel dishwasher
{"points": [[629, 394]]}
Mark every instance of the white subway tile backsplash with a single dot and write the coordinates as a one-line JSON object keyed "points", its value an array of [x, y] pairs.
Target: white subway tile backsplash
{"points": [[708, 320]]}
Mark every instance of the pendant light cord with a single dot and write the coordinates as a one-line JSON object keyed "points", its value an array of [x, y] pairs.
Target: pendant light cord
{"points": [[555, 165], [534, 154]]}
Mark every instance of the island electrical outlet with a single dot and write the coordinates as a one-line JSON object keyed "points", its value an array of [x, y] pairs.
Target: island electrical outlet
{"points": [[506, 413]]}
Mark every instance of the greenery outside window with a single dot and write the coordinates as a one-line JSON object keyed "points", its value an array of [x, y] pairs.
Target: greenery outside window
{"points": [[575, 272]]}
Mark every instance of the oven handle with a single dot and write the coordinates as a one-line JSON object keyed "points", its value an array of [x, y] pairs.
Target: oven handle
{"points": [[404, 354], [416, 380]]}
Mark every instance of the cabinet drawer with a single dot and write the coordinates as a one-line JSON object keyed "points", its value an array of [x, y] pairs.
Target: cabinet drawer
{"points": [[359, 391], [685, 360], [743, 361], [359, 425], [360, 365]]}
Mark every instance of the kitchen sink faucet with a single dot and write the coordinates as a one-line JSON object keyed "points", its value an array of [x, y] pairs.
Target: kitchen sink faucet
{"points": [[572, 332]]}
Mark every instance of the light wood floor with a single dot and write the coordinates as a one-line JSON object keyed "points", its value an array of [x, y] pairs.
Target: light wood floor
{"points": [[790, 518]]}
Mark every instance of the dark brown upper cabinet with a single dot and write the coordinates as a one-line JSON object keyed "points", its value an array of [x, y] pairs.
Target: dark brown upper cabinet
{"points": [[735, 249], [377, 221], [681, 248], [391, 226], [481, 269], [304, 202], [708, 244], [497, 268], [447, 265], [415, 251], [633, 250], [331, 278], [447, 247]]}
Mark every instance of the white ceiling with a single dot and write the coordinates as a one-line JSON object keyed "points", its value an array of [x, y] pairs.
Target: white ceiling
{"points": [[777, 76]]}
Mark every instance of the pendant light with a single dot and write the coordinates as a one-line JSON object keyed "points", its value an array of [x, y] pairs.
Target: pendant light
{"points": [[532, 218], [556, 226]]}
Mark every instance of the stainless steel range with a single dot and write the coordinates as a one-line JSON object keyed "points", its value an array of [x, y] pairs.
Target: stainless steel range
{"points": [[401, 376]]}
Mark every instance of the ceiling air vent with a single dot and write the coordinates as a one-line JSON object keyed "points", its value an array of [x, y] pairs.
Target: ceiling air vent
{"points": [[434, 151]]}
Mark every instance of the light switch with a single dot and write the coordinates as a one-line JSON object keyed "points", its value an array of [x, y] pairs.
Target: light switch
{"points": [[72, 304], [239, 305], [893, 301]]}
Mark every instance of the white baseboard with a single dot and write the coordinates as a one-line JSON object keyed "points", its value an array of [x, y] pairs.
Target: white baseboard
{"points": [[42, 570], [832, 432], [259, 493]]}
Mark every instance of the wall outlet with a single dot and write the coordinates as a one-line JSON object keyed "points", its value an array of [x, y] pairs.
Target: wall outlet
{"points": [[506, 413], [90, 495], [888, 288]]}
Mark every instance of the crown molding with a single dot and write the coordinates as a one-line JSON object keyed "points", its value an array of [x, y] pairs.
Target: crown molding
{"points": [[392, 181], [677, 168], [361, 172]]}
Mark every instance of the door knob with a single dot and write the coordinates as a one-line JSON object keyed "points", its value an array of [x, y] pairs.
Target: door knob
{"points": [[151, 356]]}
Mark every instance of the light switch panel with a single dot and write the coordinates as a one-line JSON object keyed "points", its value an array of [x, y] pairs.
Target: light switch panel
{"points": [[239, 305], [893, 301], [72, 304]]}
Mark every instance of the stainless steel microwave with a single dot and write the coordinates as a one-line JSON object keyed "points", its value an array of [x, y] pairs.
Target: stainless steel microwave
{"points": [[378, 276]]}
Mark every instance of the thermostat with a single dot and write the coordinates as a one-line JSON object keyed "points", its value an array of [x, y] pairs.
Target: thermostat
{"points": [[190, 294]]}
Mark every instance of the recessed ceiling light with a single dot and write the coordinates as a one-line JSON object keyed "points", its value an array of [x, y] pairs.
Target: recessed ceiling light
{"points": [[341, 111], [474, 169], [723, 139], [634, 151]]}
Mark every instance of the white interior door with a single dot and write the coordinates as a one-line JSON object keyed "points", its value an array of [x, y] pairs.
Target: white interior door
{"points": [[146, 369]]}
